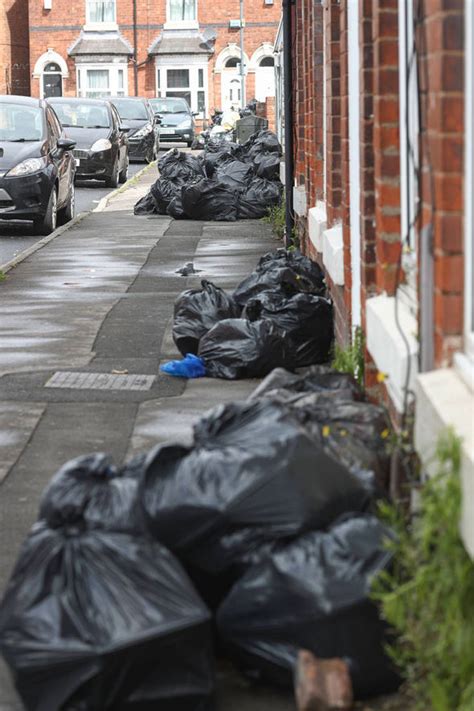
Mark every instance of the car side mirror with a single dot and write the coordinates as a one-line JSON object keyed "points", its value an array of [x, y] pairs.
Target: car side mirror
{"points": [[195, 113], [124, 129], [157, 120], [66, 144]]}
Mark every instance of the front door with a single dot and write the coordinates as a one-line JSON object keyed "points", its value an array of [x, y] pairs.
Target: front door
{"points": [[231, 89], [52, 80]]}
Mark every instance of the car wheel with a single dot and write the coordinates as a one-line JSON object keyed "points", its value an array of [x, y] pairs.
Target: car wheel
{"points": [[113, 180], [123, 177], [48, 223], [67, 213]]}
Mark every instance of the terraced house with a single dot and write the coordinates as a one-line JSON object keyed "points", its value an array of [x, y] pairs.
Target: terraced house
{"points": [[188, 48]]}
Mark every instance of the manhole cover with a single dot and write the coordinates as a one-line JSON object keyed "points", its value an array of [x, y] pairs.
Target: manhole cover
{"points": [[100, 381]]}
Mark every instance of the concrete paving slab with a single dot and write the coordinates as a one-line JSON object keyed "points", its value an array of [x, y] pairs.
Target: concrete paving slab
{"points": [[17, 422], [171, 419]]}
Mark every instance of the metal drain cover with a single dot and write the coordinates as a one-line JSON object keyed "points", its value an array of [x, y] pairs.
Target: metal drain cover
{"points": [[99, 381]]}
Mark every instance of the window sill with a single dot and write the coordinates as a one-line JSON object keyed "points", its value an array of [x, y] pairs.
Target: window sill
{"points": [[443, 400], [100, 27], [465, 369], [317, 224], [333, 254], [181, 25], [386, 346]]}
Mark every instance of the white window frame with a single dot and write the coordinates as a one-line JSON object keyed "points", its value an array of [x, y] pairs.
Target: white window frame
{"points": [[464, 361], [102, 26], [193, 66], [113, 69], [181, 24], [409, 159]]}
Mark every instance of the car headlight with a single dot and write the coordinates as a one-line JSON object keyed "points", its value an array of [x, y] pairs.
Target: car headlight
{"points": [[147, 128], [28, 166], [185, 124], [103, 144]]}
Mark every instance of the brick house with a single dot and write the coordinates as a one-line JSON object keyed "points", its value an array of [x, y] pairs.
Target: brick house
{"points": [[187, 48], [382, 197], [14, 51]]}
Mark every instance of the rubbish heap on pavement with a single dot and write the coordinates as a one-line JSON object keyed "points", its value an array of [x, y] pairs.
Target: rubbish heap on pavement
{"points": [[279, 316], [226, 182], [258, 540]]}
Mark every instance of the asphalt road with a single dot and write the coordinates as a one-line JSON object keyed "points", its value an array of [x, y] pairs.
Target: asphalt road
{"points": [[15, 237]]}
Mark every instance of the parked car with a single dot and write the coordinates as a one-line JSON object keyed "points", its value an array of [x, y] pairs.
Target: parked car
{"points": [[36, 164], [144, 134], [102, 145], [177, 119]]}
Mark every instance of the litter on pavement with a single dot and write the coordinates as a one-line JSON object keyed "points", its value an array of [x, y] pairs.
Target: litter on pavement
{"points": [[226, 182], [265, 521]]}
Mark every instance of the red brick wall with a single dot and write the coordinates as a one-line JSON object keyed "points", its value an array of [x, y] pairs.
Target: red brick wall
{"points": [[441, 38], [66, 18], [14, 52]]}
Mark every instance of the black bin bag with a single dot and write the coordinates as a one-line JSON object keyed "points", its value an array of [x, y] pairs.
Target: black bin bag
{"points": [[196, 311], [279, 278], [313, 594], [109, 621], [296, 261], [318, 384], [146, 205], [260, 195], [238, 348], [252, 477], [106, 497], [306, 318], [164, 191], [354, 433], [207, 199], [177, 165]]}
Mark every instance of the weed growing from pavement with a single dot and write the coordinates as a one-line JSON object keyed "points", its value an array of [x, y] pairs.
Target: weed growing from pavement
{"points": [[351, 359], [428, 595], [276, 218], [2, 276]]}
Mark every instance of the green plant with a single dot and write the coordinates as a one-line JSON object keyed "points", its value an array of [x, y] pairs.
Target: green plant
{"points": [[2, 275], [428, 595], [351, 359], [276, 218]]}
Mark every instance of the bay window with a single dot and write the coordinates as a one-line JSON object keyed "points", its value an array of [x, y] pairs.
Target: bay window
{"points": [[189, 83], [100, 81]]}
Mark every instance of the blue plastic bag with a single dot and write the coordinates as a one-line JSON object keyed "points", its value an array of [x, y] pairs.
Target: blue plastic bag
{"points": [[190, 367]]}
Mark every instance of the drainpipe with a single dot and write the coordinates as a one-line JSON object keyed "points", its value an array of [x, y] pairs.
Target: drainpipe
{"points": [[242, 67], [135, 45], [288, 107]]}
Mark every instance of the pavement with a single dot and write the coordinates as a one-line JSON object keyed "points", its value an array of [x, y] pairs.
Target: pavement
{"points": [[97, 302], [15, 237]]}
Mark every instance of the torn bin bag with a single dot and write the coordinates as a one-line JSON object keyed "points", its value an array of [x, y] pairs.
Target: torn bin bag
{"points": [[260, 195], [253, 476], [313, 594], [306, 318], [237, 348], [196, 311], [210, 200], [106, 498], [176, 165], [98, 620]]}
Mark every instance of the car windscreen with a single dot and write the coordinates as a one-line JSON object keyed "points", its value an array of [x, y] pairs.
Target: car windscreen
{"points": [[132, 110], [169, 106], [81, 115], [21, 123]]}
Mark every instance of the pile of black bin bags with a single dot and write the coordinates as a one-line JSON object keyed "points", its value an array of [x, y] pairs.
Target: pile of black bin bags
{"points": [[278, 316], [266, 520], [227, 182]]}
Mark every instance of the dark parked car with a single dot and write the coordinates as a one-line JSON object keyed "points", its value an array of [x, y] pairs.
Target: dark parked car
{"points": [[36, 164], [102, 145], [144, 135], [177, 119]]}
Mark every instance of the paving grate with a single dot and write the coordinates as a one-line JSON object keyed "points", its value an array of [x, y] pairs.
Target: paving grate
{"points": [[99, 381]]}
